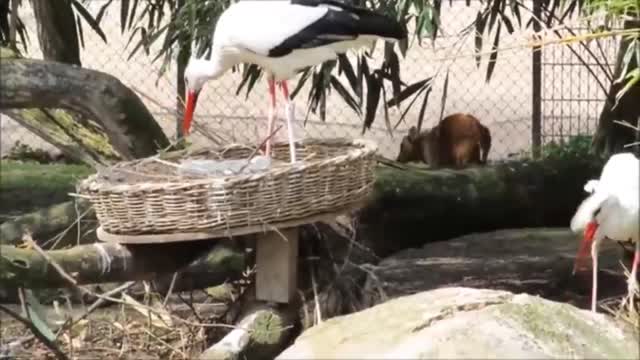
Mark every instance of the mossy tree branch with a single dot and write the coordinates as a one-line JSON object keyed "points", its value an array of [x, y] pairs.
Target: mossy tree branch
{"points": [[123, 125]]}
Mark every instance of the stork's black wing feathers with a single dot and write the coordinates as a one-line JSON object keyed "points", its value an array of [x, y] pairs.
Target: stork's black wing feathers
{"points": [[339, 25]]}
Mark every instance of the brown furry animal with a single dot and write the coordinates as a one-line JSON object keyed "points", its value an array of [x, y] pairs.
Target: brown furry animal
{"points": [[458, 140]]}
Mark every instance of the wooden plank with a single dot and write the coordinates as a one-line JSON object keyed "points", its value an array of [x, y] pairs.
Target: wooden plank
{"points": [[223, 233], [277, 265]]}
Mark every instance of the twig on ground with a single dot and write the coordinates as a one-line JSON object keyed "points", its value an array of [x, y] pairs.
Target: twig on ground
{"points": [[153, 336], [627, 124], [85, 290], [317, 313], [96, 304], [173, 282]]}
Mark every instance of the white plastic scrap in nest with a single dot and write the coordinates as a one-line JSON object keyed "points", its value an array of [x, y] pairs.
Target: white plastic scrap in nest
{"points": [[224, 167]]}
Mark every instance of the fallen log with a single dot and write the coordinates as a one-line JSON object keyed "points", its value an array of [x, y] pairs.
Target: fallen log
{"points": [[415, 206], [101, 263], [49, 222], [261, 334], [412, 207], [262, 330]]}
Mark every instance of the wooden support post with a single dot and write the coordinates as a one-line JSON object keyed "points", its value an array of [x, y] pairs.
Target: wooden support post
{"points": [[277, 265]]}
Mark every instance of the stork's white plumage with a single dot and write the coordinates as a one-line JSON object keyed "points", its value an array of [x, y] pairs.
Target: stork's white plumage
{"points": [[284, 37], [611, 211]]}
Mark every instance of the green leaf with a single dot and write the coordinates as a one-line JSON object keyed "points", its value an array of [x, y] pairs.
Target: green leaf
{"points": [[148, 40], [124, 12], [393, 64], [551, 14], [303, 80], [494, 54], [425, 24], [568, 11], [435, 18], [443, 100], [373, 98], [423, 107], [626, 60], [36, 313], [406, 110], [408, 91], [506, 22], [254, 76], [323, 104], [493, 13], [344, 66], [89, 19], [101, 12], [480, 23], [386, 110], [80, 32], [515, 10], [134, 9], [634, 78], [345, 95]]}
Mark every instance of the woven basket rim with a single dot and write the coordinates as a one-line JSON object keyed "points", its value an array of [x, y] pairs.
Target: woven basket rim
{"points": [[359, 147]]}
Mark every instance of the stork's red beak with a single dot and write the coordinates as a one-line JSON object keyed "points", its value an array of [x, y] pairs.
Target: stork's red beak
{"points": [[192, 98], [585, 246]]}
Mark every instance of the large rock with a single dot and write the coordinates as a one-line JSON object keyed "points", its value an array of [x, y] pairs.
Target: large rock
{"points": [[534, 261], [467, 323]]}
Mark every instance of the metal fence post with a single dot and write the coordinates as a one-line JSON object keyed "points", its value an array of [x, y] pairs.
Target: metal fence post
{"points": [[536, 91]]}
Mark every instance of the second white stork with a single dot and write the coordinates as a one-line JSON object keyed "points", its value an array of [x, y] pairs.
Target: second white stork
{"points": [[611, 211], [284, 37]]}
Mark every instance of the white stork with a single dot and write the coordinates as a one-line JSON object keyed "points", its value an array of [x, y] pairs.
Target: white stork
{"points": [[284, 37], [610, 211]]}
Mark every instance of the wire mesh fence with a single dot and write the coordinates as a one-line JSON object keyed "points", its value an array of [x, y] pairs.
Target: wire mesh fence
{"points": [[575, 80], [570, 94]]}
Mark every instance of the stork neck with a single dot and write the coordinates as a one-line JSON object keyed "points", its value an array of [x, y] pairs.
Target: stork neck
{"points": [[220, 62]]}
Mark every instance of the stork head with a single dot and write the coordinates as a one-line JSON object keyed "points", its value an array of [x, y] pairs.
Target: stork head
{"points": [[196, 74]]}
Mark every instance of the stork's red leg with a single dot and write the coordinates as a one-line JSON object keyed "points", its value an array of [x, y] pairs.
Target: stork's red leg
{"points": [[594, 284], [289, 116], [271, 113]]}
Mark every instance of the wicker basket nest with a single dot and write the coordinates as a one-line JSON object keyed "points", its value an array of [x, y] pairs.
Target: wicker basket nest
{"points": [[150, 196]]}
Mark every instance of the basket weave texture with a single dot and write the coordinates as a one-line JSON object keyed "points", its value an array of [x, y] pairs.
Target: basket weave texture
{"points": [[147, 196]]}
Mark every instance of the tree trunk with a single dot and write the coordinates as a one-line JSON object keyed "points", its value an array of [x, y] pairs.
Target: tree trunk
{"points": [[611, 137], [129, 126], [101, 263], [184, 53], [414, 207], [57, 32]]}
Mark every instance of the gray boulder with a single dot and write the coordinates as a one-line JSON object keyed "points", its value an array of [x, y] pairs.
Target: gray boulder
{"points": [[467, 323], [535, 261]]}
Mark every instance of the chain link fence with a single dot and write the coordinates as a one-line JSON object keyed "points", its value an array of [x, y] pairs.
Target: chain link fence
{"points": [[569, 96]]}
